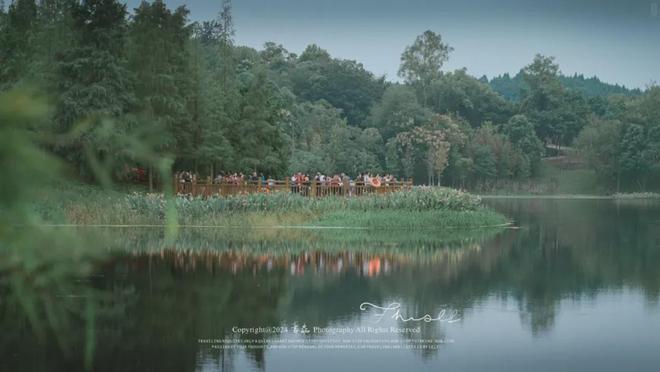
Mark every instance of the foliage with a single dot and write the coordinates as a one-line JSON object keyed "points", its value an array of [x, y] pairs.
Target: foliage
{"points": [[422, 61], [624, 150], [520, 132], [324, 142], [93, 80], [256, 136], [398, 111], [87, 205], [18, 26], [459, 93], [213, 106], [32, 277], [512, 88], [429, 143], [343, 83]]}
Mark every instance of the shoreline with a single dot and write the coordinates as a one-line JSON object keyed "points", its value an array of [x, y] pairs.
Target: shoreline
{"points": [[618, 197], [555, 196], [416, 209]]}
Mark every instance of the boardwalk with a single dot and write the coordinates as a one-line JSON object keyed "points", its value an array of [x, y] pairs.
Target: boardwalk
{"points": [[312, 188]]}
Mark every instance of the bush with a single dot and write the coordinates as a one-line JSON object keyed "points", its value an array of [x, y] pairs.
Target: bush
{"points": [[418, 199], [83, 204]]}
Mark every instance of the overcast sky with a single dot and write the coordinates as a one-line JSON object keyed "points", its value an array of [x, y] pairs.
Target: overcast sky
{"points": [[619, 41]]}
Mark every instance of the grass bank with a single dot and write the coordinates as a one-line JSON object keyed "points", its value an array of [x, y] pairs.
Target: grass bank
{"points": [[569, 177], [553, 179], [636, 196], [421, 208]]}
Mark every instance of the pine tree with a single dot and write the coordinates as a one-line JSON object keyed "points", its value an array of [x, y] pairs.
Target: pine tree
{"points": [[53, 34], [93, 81], [167, 94], [208, 146], [15, 48], [256, 137]]}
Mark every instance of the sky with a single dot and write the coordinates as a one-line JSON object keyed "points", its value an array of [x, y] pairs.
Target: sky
{"points": [[618, 41]]}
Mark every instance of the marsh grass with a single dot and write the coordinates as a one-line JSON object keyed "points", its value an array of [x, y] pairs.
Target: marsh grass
{"points": [[411, 220], [421, 208], [283, 241]]}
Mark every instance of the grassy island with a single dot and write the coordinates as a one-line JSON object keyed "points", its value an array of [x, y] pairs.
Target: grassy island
{"points": [[419, 208]]}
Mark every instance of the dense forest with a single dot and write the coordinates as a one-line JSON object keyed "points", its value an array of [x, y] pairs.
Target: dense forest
{"points": [[149, 75], [513, 88]]}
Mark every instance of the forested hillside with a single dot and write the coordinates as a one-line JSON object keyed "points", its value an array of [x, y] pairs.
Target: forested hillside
{"points": [[513, 88], [115, 75]]}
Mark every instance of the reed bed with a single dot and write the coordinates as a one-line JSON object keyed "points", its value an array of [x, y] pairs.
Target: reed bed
{"points": [[422, 207]]}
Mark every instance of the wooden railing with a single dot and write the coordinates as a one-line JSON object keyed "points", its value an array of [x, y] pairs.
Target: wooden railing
{"points": [[312, 188]]}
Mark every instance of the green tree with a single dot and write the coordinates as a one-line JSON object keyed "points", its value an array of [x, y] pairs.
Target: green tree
{"points": [[600, 144], [324, 142], [485, 163], [421, 62], [427, 144], [256, 136], [506, 160], [52, 35], [164, 85], [398, 111], [218, 98], [343, 83], [647, 108], [634, 156], [520, 132], [558, 114], [309, 128], [208, 120], [16, 51], [542, 100], [92, 79], [459, 93]]}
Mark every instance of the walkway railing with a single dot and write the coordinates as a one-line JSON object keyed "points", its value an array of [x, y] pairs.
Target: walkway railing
{"points": [[312, 188]]}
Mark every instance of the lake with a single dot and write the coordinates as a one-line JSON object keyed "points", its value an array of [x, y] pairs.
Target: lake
{"points": [[573, 286]]}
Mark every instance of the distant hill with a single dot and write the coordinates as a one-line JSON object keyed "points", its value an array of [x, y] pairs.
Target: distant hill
{"points": [[511, 87]]}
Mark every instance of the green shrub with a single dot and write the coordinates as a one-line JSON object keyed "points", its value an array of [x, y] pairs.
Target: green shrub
{"points": [[434, 206]]}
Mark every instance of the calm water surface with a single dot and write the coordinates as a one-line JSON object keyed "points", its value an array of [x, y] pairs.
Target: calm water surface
{"points": [[574, 288]]}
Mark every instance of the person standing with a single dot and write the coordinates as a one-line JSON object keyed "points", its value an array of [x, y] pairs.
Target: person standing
{"points": [[346, 184]]}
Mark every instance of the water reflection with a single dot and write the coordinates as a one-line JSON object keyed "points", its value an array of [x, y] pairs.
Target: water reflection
{"points": [[369, 264], [571, 265]]}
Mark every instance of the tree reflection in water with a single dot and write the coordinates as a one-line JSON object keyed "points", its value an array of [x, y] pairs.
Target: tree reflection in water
{"points": [[153, 304]]}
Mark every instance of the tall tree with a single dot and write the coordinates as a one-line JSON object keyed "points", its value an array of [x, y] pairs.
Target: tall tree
{"points": [[160, 60], [258, 141], [459, 93], [52, 35], [344, 83], [18, 27], [398, 111], [520, 132], [634, 157], [208, 144], [558, 114], [421, 62], [218, 102], [93, 80], [425, 144], [600, 144]]}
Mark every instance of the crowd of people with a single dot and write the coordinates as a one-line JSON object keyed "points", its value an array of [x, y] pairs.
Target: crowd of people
{"points": [[221, 178], [338, 184], [302, 183], [297, 178]]}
